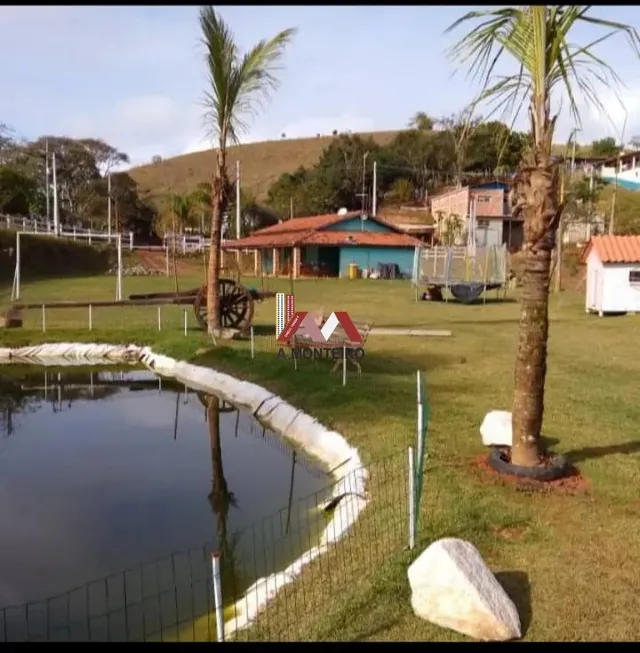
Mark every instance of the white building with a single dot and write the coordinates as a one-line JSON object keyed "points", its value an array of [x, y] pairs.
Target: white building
{"points": [[613, 274], [623, 169]]}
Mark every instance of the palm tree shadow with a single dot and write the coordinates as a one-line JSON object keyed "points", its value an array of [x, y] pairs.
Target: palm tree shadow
{"points": [[587, 453], [516, 584]]}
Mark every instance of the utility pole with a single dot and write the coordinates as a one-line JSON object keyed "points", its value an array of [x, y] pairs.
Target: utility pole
{"points": [[109, 206], [374, 198], [46, 182], [56, 216], [364, 179], [237, 199]]}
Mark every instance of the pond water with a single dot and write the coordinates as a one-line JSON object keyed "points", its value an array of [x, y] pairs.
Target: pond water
{"points": [[104, 470]]}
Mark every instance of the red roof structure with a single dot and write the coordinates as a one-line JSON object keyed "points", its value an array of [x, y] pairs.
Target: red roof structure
{"points": [[614, 249], [313, 231]]}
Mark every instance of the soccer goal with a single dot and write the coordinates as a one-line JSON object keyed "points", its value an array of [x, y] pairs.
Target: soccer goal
{"points": [[21, 235]]}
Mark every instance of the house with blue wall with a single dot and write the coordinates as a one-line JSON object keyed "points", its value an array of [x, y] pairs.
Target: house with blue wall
{"points": [[325, 245]]}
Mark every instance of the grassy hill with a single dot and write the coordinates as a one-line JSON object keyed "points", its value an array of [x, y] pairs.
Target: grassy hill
{"points": [[261, 164]]}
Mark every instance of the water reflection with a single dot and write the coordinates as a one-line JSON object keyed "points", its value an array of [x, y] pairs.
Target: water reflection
{"points": [[123, 494]]}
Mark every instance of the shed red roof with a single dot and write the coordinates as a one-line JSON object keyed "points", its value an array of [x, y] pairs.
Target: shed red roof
{"points": [[614, 249]]}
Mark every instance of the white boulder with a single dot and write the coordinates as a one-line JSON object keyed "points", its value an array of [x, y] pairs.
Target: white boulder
{"points": [[452, 587], [496, 429]]}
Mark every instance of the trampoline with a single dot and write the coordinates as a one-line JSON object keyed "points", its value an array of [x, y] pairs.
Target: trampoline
{"points": [[467, 276]]}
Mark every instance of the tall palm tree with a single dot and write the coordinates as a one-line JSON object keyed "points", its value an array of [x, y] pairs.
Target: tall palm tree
{"points": [[237, 86], [537, 40]]}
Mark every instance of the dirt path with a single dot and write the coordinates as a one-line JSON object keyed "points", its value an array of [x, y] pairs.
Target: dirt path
{"points": [[155, 260]]}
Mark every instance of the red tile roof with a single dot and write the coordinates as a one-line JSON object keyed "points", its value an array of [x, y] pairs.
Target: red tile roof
{"points": [[304, 224], [326, 238], [615, 249], [309, 231], [365, 238]]}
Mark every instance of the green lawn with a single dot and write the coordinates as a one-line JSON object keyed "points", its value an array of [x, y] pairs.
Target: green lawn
{"points": [[578, 557]]}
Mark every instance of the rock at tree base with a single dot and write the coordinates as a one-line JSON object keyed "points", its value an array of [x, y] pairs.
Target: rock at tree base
{"points": [[496, 429], [11, 319], [453, 588]]}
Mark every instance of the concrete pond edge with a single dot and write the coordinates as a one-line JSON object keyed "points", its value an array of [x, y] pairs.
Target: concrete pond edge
{"points": [[329, 447]]}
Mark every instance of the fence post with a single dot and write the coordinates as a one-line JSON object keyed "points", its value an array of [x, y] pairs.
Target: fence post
{"points": [[16, 276], [166, 258], [159, 319], [412, 502], [344, 365], [44, 319], [90, 317], [130, 240], [422, 443], [185, 322], [253, 349], [90, 236], [217, 597]]}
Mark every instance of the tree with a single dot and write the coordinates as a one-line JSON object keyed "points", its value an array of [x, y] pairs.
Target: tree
{"points": [[19, 192], [635, 142], [605, 147], [422, 122], [538, 40], [493, 147], [237, 84], [338, 175], [295, 194]]}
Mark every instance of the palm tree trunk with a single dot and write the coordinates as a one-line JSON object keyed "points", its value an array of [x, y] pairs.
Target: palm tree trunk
{"points": [[218, 202], [540, 225], [219, 497]]}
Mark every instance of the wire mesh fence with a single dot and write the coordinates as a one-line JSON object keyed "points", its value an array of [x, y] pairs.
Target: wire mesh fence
{"points": [[276, 577]]}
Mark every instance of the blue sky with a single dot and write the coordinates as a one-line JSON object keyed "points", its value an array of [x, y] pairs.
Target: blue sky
{"points": [[135, 76]]}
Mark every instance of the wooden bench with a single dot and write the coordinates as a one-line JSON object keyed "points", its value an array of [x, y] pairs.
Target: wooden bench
{"points": [[337, 340]]}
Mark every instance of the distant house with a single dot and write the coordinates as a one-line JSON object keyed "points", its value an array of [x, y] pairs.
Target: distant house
{"points": [[413, 220], [613, 274], [325, 245], [495, 224], [623, 169]]}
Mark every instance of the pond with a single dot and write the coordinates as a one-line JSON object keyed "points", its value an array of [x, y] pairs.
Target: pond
{"points": [[103, 470]]}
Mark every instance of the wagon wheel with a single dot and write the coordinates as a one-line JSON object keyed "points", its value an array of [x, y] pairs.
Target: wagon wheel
{"points": [[225, 407], [236, 305]]}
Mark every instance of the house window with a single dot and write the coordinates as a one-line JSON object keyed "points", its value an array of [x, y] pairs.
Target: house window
{"points": [[634, 276], [483, 199], [483, 224]]}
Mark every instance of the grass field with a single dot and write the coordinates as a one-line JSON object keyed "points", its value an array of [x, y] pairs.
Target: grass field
{"points": [[571, 562]]}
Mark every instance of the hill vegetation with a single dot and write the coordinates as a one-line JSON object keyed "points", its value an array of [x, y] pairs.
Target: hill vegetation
{"points": [[261, 164], [279, 179]]}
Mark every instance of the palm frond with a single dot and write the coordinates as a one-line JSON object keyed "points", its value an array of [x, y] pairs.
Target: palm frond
{"points": [[238, 85], [536, 37]]}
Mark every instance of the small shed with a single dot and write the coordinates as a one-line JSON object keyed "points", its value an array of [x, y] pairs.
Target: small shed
{"points": [[613, 274]]}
